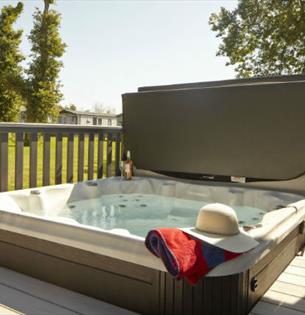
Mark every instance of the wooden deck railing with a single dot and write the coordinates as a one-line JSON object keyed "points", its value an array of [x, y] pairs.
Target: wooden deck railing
{"points": [[34, 155]]}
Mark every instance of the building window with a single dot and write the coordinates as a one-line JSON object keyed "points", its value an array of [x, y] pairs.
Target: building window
{"points": [[94, 121], [100, 121], [109, 122]]}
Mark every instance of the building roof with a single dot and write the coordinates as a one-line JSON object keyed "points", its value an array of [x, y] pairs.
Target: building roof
{"points": [[87, 113]]}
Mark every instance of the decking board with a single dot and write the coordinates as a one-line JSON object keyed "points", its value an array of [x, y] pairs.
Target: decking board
{"points": [[298, 262], [291, 289], [4, 310], [295, 270], [265, 308], [287, 295], [21, 294], [284, 299]]}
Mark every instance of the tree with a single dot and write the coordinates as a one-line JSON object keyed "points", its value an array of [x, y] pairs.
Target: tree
{"points": [[263, 37], [10, 69], [71, 107], [47, 47], [101, 109]]}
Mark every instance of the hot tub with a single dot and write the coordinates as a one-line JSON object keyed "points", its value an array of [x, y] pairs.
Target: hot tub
{"points": [[239, 144], [89, 237]]}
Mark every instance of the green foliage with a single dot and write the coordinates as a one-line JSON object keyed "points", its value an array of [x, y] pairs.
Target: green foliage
{"points": [[47, 47], [11, 81], [71, 107], [263, 37]]}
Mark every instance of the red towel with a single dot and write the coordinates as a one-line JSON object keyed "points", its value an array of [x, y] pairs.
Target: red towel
{"points": [[183, 255]]}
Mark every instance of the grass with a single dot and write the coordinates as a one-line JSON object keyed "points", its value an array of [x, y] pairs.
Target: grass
{"points": [[26, 160]]}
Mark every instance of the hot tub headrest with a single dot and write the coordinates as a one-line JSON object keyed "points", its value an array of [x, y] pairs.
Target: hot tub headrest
{"points": [[255, 131]]}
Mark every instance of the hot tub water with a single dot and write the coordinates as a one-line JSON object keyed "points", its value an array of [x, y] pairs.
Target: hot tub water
{"points": [[138, 213]]}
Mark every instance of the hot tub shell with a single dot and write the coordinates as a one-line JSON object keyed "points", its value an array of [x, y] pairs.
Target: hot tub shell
{"points": [[118, 269], [142, 289]]}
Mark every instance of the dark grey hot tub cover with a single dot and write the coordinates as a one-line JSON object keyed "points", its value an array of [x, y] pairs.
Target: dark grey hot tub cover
{"points": [[256, 131]]}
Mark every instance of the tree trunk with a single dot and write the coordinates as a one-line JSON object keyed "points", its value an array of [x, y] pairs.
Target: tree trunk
{"points": [[46, 7]]}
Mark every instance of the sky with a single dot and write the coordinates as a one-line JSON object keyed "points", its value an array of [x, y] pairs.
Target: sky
{"points": [[113, 47]]}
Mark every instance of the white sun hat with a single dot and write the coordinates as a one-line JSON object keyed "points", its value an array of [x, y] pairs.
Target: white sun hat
{"points": [[217, 224]]}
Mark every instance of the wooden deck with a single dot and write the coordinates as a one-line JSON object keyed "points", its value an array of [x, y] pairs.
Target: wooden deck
{"points": [[23, 295], [20, 294], [287, 294]]}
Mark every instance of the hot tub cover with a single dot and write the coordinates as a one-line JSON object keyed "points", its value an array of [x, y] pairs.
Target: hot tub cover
{"points": [[238, 130]]}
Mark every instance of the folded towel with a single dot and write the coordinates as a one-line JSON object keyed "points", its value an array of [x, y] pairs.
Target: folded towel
{"points": [[183, 255]]}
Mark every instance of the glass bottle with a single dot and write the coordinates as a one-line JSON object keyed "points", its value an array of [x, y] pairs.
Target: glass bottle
{"points": [[128, 167]]}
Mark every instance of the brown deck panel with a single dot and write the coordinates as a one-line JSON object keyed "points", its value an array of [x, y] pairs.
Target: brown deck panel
{"points": [[287, 295]]}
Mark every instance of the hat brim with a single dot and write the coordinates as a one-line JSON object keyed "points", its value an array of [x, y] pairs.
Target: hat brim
{"points": [[238, 243]]}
